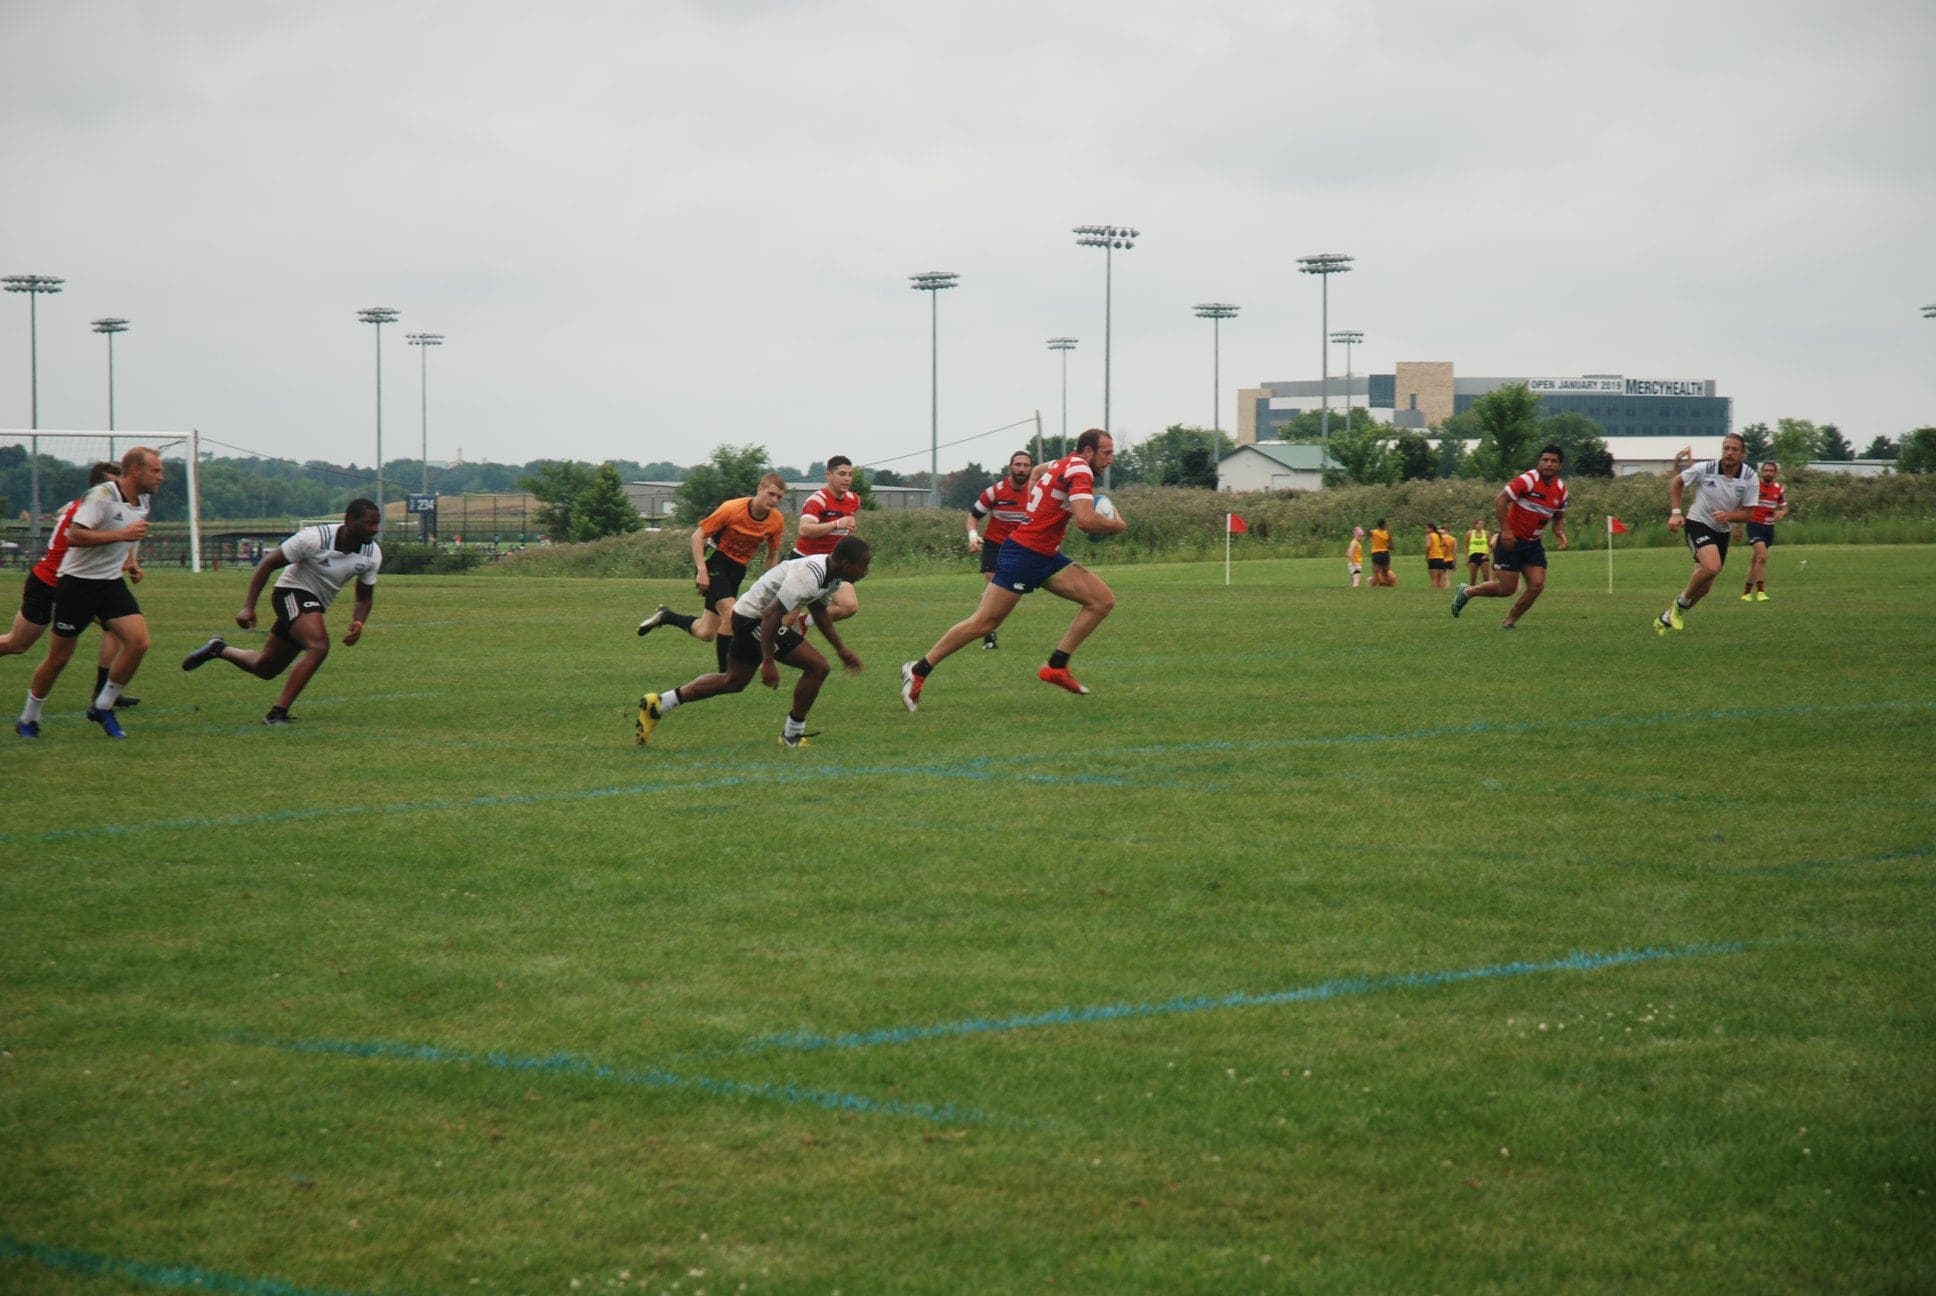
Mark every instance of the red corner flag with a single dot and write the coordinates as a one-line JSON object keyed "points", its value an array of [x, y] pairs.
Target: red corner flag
{"points": [[1615, 526], [1237, 526]]}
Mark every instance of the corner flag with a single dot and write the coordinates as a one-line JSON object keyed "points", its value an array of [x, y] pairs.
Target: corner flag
{"points": [[1235, 525], [1615, 526]]}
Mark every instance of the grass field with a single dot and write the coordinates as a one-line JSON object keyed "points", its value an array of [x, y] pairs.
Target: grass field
{"points": [[1331, 945]]}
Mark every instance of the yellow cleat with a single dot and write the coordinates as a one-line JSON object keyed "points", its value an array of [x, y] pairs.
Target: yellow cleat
{"points": [[1747, 598], [1761, 596], [648, 719]]}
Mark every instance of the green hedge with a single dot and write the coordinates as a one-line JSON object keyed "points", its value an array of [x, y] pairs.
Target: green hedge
{"points": [[1170, 525]]}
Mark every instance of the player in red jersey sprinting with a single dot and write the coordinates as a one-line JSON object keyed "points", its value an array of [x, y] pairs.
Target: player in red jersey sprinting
{"points": [[1005, 505], [1528, 503], [1059, 493]]}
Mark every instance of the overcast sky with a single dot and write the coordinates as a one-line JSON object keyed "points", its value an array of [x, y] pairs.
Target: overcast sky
{"points": [[650, 228]]}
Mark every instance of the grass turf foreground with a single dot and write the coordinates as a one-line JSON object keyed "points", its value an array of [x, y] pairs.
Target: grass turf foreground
{"points": [[1331, 945]]}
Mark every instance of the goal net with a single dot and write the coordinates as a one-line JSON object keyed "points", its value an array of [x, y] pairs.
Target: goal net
{"points": [[42, 469]]}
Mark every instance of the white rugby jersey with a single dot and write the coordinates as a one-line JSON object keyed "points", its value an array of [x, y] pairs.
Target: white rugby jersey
{"points": [[1715, 493], [317, 567], [102, 509], [793, 583]]}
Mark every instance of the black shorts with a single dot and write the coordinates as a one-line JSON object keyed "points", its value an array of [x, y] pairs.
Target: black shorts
{"points": [[1438, 564], [290, 604], [78, 600], [1700, 537], [1517, 555], [727, 576], [1381, 558], [746, 641], [1475, 559], [990, 551], [1761, 533], [37, 601]]}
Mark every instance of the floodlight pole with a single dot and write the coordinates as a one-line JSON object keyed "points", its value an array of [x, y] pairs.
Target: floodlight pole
{"points": [[423, 342], [33, 285], [1109, 238], [1065, 345], [1324, 265], [379, 316], [1216, 313], [109, 327], [1348, 338], [934, 283]]}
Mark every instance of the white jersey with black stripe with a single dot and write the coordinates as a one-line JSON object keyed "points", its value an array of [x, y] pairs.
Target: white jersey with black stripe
{"points": [[318, 567], [102, 509], [793, 584], [1716, 492]]}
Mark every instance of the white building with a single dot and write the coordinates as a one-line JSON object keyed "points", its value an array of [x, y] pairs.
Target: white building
{"points": [[1272, 466]]}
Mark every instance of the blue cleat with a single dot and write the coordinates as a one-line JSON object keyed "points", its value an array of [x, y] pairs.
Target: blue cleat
{"points": [[28, 728], [109, 725]]}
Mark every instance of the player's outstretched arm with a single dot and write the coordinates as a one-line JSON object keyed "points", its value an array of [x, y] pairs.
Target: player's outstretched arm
{"points": [[826, 623]]}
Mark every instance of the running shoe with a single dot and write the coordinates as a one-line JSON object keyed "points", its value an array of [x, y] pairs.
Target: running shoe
{"points": [[911, 687], [1459, 599], [648, 718], [207, 652], [988, 641], [1061, 678], [109, 725], [1507, 625], [1761, 596], [654, 621], [1747, 598], [28, 728], [795, 744], [277, 716], [1674, 616]]}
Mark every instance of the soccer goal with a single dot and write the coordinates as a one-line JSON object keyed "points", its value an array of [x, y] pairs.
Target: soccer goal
{"points": [[42, 469]]}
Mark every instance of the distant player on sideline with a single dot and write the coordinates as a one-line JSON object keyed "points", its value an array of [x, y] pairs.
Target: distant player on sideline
{"points": [[1771, 506], [1005, 505], [1525, 506], [1354, 556], [1478, 553], [760, 639], [1032, 557], [830, 513], [1725, 493], [37, 597], [1438, 556], [735, 531], [102, 534], [1381, 572], [319, 561]]}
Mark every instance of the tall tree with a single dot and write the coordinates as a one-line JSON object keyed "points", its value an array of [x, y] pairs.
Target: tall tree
{"points": [[1582, 440], [1359, 454], [1918, 454], [1796, 442], [557, 484], [733, 471], [1882, 448], [1755, 437], [603, 509], [959, 488], [1835, 446], [1508, 423], [1177, 456], [1414, 454], [1451, 454]]}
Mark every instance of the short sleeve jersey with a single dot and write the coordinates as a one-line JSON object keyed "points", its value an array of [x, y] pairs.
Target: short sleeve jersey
{"points": [[102, 509], [1380, 540], [793, 584], [1068, 479], [737, 534], [1716, 492], [1356, 553], [1005, 504], [821, 506], [1769, 496], [47, 570], [1535, 502], [318, 567]]}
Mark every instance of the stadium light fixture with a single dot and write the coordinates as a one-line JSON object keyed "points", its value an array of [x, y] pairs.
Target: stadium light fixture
{"points": [[379, 316], [33, 285], [423, 342], [934, 283], [1216, 313], [1929, 312], [1065, 345], [1348, 338], [1111, 239], [109, 327], [1324, 265]]}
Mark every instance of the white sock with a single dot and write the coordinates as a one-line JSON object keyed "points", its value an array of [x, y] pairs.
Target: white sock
{"points": [[109, 692], [794, 728], [31, 714], [667, 701]]}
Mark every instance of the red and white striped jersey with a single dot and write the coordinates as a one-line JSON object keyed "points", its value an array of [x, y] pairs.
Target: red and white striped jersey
{"points": [[821, 506], [1067, 479], [47, 570], [1005, 504], [1534, 503], [1772, 497]]}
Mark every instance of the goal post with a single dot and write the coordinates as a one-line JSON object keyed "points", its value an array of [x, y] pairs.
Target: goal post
{"points": [[41, 469]]}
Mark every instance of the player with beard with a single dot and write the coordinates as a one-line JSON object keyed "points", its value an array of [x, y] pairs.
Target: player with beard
{"points": [[1725, 492], [1005, 505], [1525, 506]]}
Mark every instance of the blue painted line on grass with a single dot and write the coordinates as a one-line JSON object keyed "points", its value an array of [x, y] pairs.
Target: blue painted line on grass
{"points": [[650, 1077], [150, 1275], [1578, 961]]}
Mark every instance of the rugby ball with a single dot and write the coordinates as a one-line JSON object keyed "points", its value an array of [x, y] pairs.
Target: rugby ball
{"points": [[1104, 506]]}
